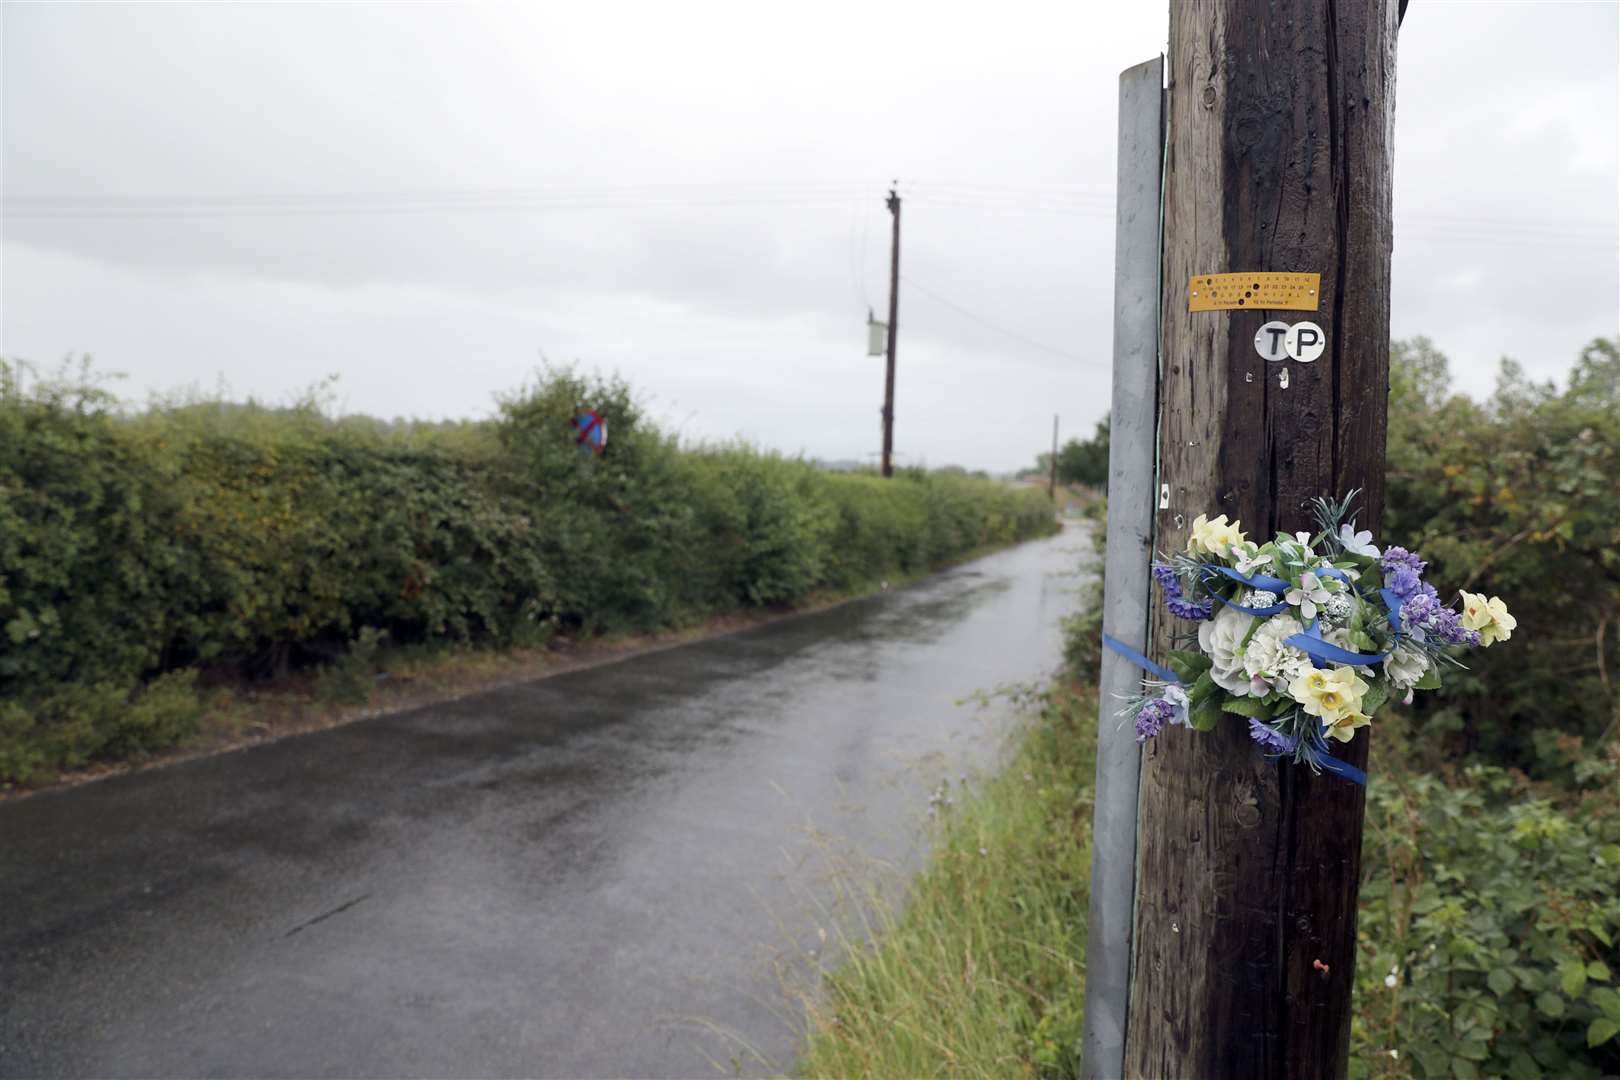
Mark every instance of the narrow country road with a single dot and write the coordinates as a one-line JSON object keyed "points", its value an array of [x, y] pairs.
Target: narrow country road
{"points": [[613, 872]]}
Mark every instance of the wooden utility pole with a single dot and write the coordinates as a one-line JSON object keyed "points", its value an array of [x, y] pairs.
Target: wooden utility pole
{"points": [[1051, 483], [894, 333], [1278, 158]]}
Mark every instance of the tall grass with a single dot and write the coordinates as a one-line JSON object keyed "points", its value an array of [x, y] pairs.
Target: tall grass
{"points": [[978, 971]]}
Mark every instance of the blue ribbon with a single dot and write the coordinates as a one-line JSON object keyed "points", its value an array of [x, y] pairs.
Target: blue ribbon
{"points": [[1333, 765], [1255, 581], [1139, 660], [1328, 762], [1322, 652]]}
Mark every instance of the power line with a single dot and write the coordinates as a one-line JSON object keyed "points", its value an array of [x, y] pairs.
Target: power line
{"points": [[1015, 335]]}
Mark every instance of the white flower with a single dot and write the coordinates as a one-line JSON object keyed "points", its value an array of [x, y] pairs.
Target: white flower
{"points": [[1266, 656], [1259, 598], [1357, 543], [1247, 558], [1406, 666], [1307, 594], [1221, 639], [1177, 696]]}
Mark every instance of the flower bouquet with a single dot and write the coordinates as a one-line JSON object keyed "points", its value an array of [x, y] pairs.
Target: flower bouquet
{"points": [[1304, 637]]}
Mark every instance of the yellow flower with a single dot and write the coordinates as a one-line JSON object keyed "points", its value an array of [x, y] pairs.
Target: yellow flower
{"points": [[1331, 693], [1344, 728], [1213, 537], [1489, 617]]}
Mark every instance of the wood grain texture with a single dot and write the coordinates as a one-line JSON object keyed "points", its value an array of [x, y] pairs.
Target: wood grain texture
{"points": [[1280, 124]]}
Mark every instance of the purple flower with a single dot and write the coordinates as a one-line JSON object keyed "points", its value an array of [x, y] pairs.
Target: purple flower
{"points": [[1399, 557], [1269, 738], [1182, 608], [1403, 581], [1423, 616], [1175, 600], [1165, 575], [1152, 717]]}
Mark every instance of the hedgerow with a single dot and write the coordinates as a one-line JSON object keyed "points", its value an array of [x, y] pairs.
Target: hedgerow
{"points": [[136, 548]]}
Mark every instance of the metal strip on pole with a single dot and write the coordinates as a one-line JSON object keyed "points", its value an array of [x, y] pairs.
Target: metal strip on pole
{"points": [[1131, 446]]}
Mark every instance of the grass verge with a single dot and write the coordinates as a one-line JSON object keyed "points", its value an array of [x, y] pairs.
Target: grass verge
{"points": [[979, 970]]}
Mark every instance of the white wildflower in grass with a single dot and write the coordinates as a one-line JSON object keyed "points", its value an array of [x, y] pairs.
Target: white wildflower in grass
{"points": [[1221, 639]]}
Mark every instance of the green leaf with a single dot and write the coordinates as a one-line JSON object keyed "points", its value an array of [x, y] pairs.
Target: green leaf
{"points": [[1202, 690], [1524, 1067], [1463, 1069], [1374, 698], [1473, 1049], [1501, 982], [1188, 665], [1550, 1004], [1430, 680], [1572, 978], [1205, 715], [1597, 971], [1247, 706], [1601, 1031]]}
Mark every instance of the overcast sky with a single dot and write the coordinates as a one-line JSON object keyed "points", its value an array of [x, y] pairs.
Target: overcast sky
{"points": [[425, 198]]}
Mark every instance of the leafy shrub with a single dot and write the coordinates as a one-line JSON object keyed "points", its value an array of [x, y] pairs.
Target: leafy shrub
{"points": [[252, 540], [1516, 495], [1488, 923]]}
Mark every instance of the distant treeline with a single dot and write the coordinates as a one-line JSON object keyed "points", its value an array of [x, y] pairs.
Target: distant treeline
{"points": [[136, 550]]}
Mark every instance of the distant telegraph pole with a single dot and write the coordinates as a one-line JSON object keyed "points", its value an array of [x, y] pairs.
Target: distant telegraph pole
{"points": [[1051, 483], [894, 332]]}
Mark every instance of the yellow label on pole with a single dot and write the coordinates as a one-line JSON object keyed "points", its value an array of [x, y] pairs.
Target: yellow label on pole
{"points": [[1255, 289]]}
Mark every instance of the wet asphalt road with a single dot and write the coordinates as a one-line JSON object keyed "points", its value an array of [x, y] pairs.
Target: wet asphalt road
{"points": [[619, 871]]}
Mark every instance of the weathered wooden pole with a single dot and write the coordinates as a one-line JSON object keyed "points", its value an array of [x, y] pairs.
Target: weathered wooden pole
{"points": [[1278, 159], [893, 203]]}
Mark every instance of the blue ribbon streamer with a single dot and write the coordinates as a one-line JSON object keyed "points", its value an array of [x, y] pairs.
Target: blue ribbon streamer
{"points": [[1139, 660], [1254, 581], [1328, 762], [1322, 652], [1333, 765]]}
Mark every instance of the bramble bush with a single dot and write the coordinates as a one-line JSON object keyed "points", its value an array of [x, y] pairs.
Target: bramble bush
{"points": [[137, 550]]}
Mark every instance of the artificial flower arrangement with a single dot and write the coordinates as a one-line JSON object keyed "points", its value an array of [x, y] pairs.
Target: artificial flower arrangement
{"points": [[1304, 637]]}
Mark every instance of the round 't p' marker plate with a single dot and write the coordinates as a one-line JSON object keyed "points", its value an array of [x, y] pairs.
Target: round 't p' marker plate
{"points": [[1304, 342], [1268, 341]]}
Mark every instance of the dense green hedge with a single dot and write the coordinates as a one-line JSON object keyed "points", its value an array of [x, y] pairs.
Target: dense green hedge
{"points": [[136, 549]]}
